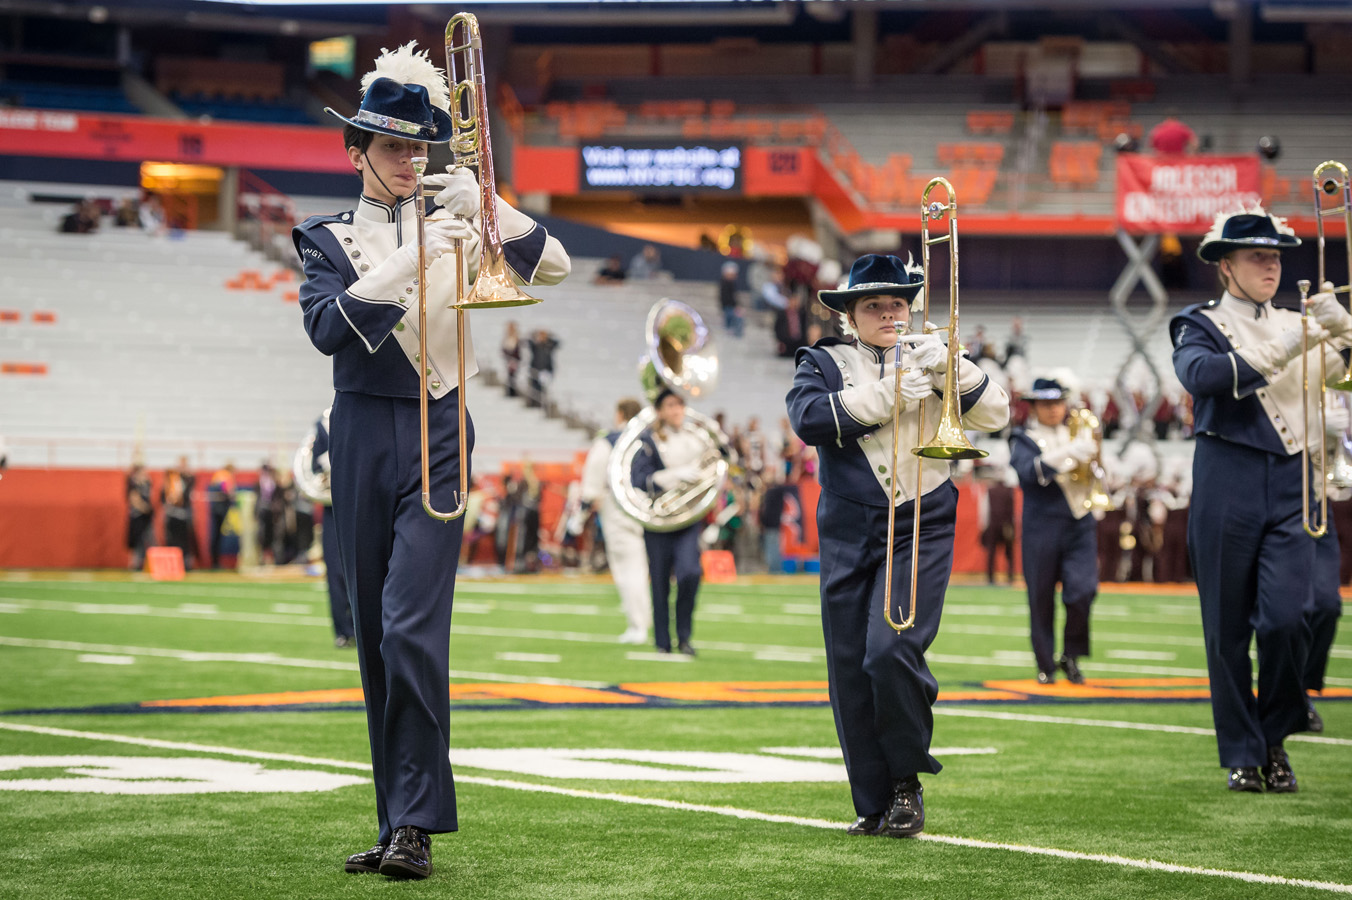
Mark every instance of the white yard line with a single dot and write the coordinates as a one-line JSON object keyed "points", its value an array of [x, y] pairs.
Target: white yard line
{"points": [[728, 811], [1111, 723]]}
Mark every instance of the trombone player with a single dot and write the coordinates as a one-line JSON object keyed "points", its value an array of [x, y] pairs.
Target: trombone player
{"points": [[1241, 359], [843, 402], [362, 271], [1059, 536]]}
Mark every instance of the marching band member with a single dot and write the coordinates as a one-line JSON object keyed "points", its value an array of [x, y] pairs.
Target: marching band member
{"points": [[668, 458], [1326, 601], [626, 556], [360, 307], [339, 608], [842, 402], [1060, 538], [1240, 358]]}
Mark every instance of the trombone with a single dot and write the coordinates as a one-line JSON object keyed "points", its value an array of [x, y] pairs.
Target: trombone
{"points": [[1328, 178], [471, 146], [948, 442]]}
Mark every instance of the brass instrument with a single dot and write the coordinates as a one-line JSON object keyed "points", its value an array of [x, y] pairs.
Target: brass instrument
{"points": [[493, 288], [948, 442], [1328, 178], [1090, 472], [312, 485], [679, 355]]}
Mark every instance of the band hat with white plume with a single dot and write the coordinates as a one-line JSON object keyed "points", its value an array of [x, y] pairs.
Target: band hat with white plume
{"points": [[875, 274], [1249, 228], [404, 96]]}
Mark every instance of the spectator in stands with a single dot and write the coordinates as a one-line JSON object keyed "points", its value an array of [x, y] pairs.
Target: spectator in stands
{"points": [[83, 219], [646, 264], [541, 373], [791, 327], [153, 219], [976, 344], [771, 518], [1171, 137], [1017, 342], [511, 356], [140, 517], [127, 215], [995, 516], [610, 273], [176, 501], [220, 498], [727, 299], [772, 293], [265, 512]]}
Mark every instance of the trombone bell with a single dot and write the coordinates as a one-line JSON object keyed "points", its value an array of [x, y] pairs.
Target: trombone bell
{"points": [[495, 289], [949, 442]]}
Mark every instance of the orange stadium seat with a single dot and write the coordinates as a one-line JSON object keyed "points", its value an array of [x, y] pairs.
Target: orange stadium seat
{"points": [[23, 368], [44, 318], [10, 315], [990, 121]]}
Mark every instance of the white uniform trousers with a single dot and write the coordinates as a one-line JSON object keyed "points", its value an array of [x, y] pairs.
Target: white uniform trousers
{"points": [[628, 561]]}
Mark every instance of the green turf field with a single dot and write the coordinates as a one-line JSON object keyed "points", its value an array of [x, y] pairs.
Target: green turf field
{"points": [[587, 769]]}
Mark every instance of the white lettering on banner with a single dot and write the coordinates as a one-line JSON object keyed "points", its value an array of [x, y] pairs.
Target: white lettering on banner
{"points": [[1194, 179], [160, 775], [669, 167], [37, 120], [1181, 209]]}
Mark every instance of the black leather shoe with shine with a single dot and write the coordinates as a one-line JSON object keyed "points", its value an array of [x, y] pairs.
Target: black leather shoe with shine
{"points": [[366, 861], [1277, 773], [684, 647], [1068, 665], [1246, 780], [410, 854], [906, 816], [1046, 678], [1314, 722], [867, 824]]}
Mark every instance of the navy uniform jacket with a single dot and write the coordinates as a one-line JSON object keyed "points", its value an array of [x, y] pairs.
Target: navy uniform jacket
{"points": [[854, 439], [1239, 394], [1047, 494], [359, 293]]}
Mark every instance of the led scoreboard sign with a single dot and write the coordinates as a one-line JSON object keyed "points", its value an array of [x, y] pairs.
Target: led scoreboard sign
{"points": [[665, 168]]}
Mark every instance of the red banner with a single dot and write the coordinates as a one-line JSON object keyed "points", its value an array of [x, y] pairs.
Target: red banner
{"points": [[72, 135], [1182, 193]]}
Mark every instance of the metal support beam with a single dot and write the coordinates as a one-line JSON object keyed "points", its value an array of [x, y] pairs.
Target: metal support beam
{"points": [[1139, 271]]}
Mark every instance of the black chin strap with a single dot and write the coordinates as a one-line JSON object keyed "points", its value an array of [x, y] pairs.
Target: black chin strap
{"points": [[1240, 294], [396, 197]]}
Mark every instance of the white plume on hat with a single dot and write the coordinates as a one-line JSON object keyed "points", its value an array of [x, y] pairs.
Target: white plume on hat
{"points": [[1217, 232], [407, 65]]}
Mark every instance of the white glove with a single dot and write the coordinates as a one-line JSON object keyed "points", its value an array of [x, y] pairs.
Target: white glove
{"points": [[441, 235], [1058, 458], [1337, 419], [459, 194], [666, 479], [916, 386], [1329, 313], [928, 352], [1278, 351], [1082, 449]]}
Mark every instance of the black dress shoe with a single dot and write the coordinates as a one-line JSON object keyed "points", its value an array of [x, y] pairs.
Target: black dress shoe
{"points": [[1277, 773], [684, 647], [867, 824], [1314, 722], [366, 861], [1046, 678], [906, 816], [410, 854], [1068, 665], [1245, 779]]}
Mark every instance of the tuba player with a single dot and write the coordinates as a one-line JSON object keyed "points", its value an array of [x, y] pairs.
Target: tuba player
{"points": [[399, 564]]}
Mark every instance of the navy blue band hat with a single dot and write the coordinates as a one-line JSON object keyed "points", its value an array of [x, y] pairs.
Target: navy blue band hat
{"points": [[405, 96], [1046, 389], [875, 274], [1246, 229]]}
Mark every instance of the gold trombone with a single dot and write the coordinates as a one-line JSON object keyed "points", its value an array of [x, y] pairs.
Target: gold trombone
{"points": [[1328, 178], [948, 442], [493, 288]]}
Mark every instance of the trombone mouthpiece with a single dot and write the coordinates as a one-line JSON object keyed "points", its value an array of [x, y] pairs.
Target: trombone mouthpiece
{"points": [[419, 164], [1303, 286]]}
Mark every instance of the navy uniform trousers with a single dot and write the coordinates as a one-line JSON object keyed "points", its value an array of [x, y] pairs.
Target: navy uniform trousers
{"points": [[1326, 605], [339, 607], [1253, 562], [881, 687], [400, 565], [1064, 550], [673, 554]]}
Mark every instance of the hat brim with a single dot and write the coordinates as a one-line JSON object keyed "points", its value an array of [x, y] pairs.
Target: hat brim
{"points": [[838, 300], [445, 127], [1044, 394], [1213, 251]]}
